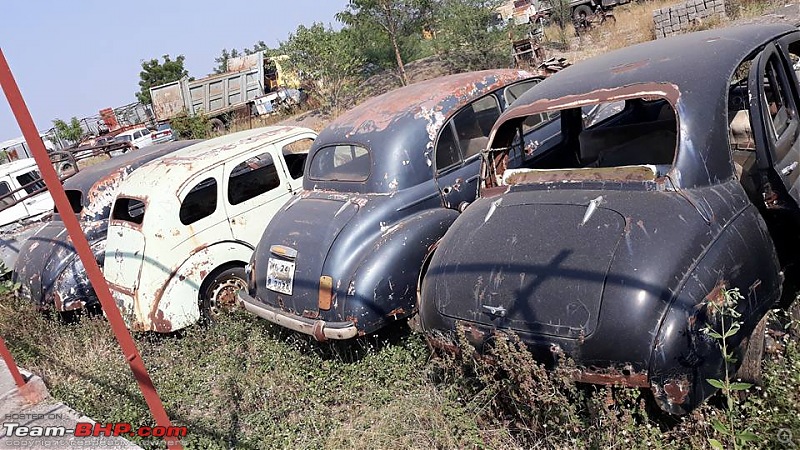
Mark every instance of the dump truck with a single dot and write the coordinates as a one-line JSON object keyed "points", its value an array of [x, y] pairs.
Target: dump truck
{"points": [[249, 81]]}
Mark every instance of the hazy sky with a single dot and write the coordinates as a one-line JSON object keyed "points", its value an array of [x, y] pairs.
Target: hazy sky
{"points": [[75, 57]]}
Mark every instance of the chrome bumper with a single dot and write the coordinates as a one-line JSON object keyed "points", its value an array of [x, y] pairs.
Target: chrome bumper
{"points": [[321, 330]]}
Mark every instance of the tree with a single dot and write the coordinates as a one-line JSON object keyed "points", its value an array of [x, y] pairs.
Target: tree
{"points": [[395, 18], [222, 60], [325, 61], [70, 132], [465, 37], [155, 73]]}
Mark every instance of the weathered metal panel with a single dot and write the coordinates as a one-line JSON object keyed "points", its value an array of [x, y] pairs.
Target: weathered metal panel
{"points": [[168, 100]]}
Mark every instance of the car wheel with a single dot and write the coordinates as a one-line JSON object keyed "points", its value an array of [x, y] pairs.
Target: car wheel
{"points": [[217, 126], [750, 370], [218, 294], [581, 12]]}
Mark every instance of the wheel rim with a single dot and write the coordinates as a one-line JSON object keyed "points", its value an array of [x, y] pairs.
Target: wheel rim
{"points": [[223, 295]]}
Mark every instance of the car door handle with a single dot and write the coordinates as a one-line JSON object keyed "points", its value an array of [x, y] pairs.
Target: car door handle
{"points": [[789, 169]]}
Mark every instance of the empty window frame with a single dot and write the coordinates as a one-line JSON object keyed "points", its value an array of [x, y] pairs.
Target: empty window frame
{"points": [[129, 210], [295, 154], [779, 105], [200, 202], [251, 178]]}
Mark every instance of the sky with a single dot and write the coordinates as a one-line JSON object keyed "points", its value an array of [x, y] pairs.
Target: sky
{"points": [[75, 57]]}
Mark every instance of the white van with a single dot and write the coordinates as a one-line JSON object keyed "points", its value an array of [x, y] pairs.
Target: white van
{"points": [[138, 137], [183, 226], [23, 177]]}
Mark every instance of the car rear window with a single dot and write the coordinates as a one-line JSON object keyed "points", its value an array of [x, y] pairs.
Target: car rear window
{"points": [[128, 210], [635, 140], [341, 163]]}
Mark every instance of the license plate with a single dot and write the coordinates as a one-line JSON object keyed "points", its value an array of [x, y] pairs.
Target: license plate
{"points": [[280, 275]]}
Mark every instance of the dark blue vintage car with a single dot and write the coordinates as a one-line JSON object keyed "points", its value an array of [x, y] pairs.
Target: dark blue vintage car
{"points": [[48, 269], [617, 240], [383, 183]]}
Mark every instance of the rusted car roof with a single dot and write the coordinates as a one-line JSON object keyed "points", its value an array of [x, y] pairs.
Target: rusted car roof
{"points": [[699, 79], [88, 177], [404, 123], [177, 167]]}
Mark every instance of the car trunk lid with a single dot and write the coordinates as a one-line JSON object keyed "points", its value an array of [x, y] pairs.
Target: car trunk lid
{"points": [[297, 244], [547, 277]]}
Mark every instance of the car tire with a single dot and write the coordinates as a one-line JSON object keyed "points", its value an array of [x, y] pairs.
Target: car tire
{"points": [[217, 126], [581, 12], [218, 292], [750, 370]]}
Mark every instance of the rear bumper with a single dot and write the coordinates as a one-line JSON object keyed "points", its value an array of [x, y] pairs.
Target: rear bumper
{"points": [[163, 139], [320, 329]]}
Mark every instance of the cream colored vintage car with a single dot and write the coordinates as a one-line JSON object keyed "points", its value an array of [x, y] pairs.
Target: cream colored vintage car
{"points": [[183, 226]]}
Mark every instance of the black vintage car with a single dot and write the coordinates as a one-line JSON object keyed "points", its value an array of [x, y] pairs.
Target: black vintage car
{"points": [[383, 182], [48, 269], [609, 240]]}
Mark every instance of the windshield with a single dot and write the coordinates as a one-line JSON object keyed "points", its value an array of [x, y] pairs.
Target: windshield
{"points": [[340, 163]]}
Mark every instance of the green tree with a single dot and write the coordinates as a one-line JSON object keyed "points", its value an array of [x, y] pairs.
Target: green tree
{"points": [[466, 39], [326, 63], [70, 132], [155, 73], [395, 19], [222, 60]]}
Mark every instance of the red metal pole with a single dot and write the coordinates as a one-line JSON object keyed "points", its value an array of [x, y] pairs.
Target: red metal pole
{"points": [[12, 366], [126, 343]]}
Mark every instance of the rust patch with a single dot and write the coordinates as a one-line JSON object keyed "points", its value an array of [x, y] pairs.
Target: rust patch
{"points": [[160, 324], [396, 312], [717, 297], [622, 68], [310, 314], [612, 376], [677, 391]]}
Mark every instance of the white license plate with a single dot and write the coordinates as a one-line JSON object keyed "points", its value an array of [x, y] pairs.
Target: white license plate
{"points": [[280, 275]]}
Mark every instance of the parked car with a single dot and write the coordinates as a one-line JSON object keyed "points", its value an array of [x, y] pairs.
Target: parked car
{"points": [[138, 137], [183, 227], [384, 181], [48, 269], [163, 133], [615, 242]]}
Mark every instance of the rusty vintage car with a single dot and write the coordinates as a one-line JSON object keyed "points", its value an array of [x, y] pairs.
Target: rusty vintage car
{"points": [[48, 269], [609, 241], [383, 183], [183, 227]]}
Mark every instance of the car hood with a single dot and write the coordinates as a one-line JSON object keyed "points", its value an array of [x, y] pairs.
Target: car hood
{"points": [[546, 274], [45, 255]]}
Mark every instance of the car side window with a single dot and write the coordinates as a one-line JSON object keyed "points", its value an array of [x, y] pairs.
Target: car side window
{"points": [[31, 177], [779, 105], [295, 154], [200, 202], [4, 189], [447, 154], [474, 123], [137, 135], [251, 178], [514, 91]]}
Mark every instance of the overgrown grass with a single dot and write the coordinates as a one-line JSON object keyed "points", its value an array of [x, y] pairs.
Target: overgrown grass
{"points": [[244, 384]]}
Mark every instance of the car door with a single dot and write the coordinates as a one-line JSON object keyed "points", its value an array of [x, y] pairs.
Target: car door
{"points": [[774, 119], [202, 215], [458, 150], [255, 188], [294, 152]]}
